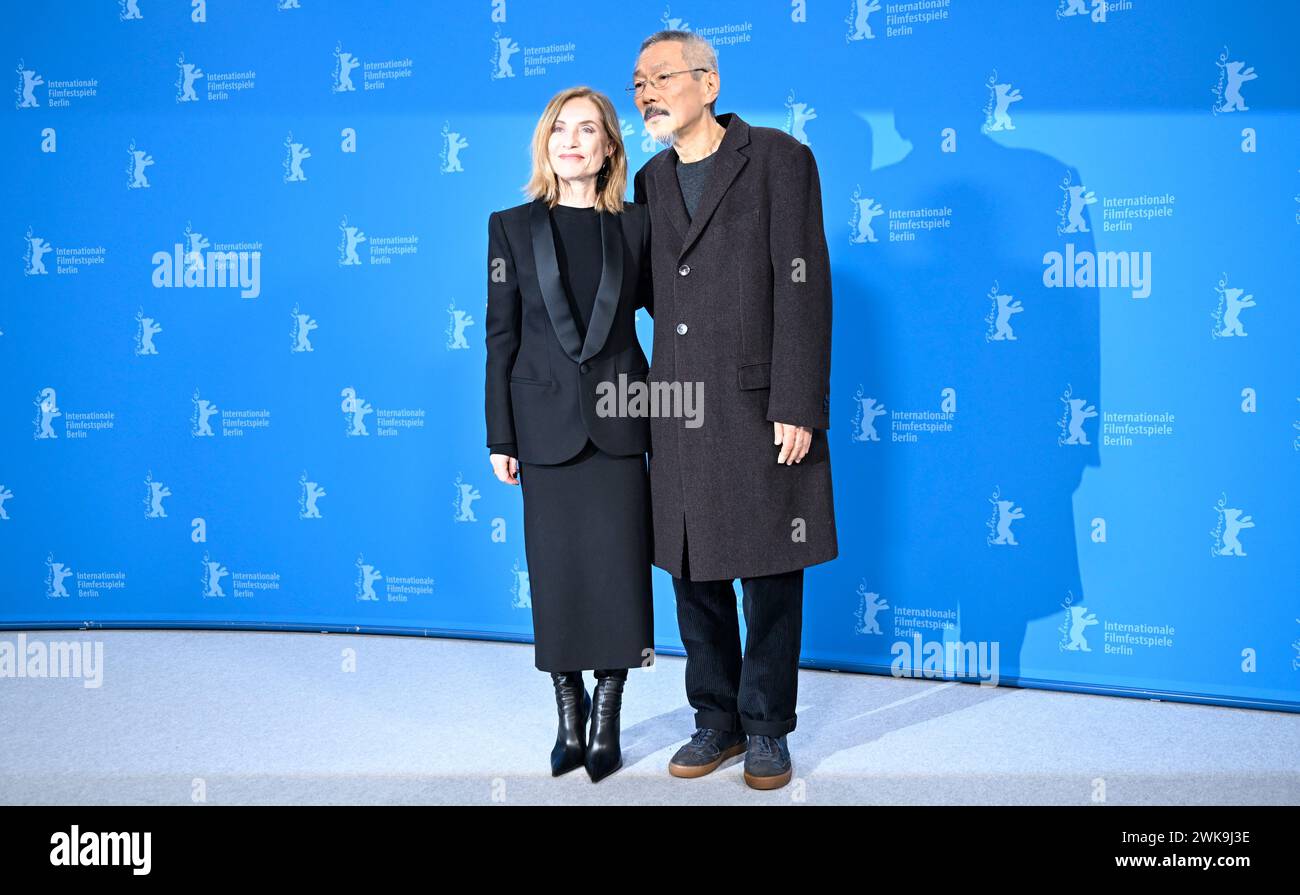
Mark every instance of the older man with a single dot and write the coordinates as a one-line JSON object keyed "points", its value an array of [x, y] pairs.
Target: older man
{"points": [[742, 299]]}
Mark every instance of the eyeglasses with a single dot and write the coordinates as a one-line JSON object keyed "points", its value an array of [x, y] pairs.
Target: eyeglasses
{"points": [[660, 80]]}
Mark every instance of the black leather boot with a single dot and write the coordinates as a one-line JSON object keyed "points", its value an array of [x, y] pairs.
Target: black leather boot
{"points": [[604, 756], [574, 707]]}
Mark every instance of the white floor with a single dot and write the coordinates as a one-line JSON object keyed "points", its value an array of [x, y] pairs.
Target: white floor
{"points": [[262, 718]]}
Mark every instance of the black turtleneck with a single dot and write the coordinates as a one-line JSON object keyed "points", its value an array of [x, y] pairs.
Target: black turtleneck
{"points": [[578, 251]]}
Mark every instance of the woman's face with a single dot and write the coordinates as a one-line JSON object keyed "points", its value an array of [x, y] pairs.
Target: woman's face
{"points": [[578, 146]]}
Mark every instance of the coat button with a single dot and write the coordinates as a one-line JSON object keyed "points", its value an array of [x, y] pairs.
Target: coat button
{"points": [[584, 368], [681, 329], [684, 269]]}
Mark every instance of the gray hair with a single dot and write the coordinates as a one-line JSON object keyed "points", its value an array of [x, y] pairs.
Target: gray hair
{"points": [[697, 51]]}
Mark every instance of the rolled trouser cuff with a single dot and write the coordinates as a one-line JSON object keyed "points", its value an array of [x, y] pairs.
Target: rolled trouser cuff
{"points": [[767, 728]]}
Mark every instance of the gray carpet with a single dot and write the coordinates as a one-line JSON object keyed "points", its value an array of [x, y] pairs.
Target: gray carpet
{"points": [[271, 718]]}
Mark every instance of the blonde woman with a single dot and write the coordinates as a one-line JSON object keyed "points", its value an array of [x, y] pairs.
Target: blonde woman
{"points": [[566, 272]]}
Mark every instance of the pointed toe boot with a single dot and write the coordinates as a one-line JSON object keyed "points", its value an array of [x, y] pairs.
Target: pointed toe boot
{"points": [[604, 755], [574, 705]]}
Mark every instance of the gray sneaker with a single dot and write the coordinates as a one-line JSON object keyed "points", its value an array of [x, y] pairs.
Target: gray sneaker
{"points": [[767, 763], [707, 749]]}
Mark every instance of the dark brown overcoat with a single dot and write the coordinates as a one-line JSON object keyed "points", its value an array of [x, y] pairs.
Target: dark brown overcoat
{"points": [[742, 305]]}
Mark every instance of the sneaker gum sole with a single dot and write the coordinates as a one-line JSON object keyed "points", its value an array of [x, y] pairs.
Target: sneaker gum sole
{"points": [[682, 770], [773, 782]]}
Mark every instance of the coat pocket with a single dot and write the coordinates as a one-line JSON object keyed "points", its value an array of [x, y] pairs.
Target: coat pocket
{"points": [[755, 376], [527, 381]]}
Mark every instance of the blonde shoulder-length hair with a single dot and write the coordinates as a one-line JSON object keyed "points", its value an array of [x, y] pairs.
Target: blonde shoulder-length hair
{"points": [[611, 185]]}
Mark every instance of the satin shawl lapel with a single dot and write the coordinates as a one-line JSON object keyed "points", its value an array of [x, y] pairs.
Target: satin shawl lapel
{"points": [[557, 302]]}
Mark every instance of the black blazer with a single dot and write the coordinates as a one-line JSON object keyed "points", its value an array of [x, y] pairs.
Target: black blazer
{"points": [[542, 376]]}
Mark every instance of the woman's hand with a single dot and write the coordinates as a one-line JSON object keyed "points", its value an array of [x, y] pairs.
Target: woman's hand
{"points": [[506, 468]]}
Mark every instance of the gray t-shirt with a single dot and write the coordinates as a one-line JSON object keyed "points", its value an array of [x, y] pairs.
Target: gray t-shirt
{"points": [[691, 177]]}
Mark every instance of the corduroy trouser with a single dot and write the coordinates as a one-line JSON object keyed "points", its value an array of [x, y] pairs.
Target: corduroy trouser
{"points": [[756, 694]]}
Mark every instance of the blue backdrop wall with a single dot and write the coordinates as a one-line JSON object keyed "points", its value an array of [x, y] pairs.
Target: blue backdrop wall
{"points": [[241, 361]]}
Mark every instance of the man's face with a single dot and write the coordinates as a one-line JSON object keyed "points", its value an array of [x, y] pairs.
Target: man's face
{"points": [[682, 100]]}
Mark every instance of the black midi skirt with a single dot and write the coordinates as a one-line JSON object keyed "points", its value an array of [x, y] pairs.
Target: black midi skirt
{"points": [[587, 537]]}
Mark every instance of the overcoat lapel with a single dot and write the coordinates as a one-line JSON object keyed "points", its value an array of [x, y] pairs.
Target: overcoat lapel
{"points": [[727, 163]]}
